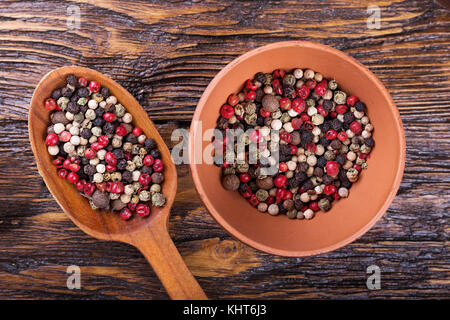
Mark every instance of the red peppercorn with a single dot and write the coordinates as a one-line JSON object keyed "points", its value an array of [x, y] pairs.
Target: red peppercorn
{"points": [[109, 116], [148, 160], [314, 206], [356, 127], [303, 92], [280, 181], [110, 168], [304, 117], [270, 200], [249, 85], [57, 163], [285, 103], [62, 173], [282, 166], [94, 86], [125, 213], [278, 73], [227, 111], [287, 194], [304, 208], [336, 196], [332, 168], [121, 131], [322, 111], [103, 140], [74, 167], [52, 139], [324, 83], [331, 134], [329, 189], [363, 155], [320, 90], [65, 136], [110, 158], [244, 177], [311, 84], [108, 187], [97, 146], [72, 177], [82, 82], [248, 193], [80, 185], [144, 179], [294, 149], [250, 95], [296, 123], [255, 136], [132, 206], [333, 114], [352, 100], [89, 188], [117, 187], [254, 200], [341, 108], [357, 167], [311, 147], [286, 136], [342, 136], [66, 164], [142, 210], [137, 131], [50, 104], [90, 153], [158, 166], [264, 113], [233, 100], [298, 105]]}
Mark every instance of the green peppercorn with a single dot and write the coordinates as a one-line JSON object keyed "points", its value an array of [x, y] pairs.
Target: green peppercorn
{"points": [[262, 195]]}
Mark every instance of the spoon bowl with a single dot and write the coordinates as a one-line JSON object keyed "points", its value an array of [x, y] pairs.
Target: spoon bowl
{"points": [[150, 235]]}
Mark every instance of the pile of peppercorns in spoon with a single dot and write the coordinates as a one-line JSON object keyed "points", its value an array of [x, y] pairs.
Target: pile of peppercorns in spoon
{"points": [[97, 148], [323, 138]]}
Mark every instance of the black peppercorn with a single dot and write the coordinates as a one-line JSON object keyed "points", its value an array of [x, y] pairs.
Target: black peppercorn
{"points": [[346, 184], [327, 179], [293, 182], [121, 164], [90, 170], [86, 133], [336, 144], [72, 80], [281, 208], [321, 161], [327, 105], [74, 98], [149, 144], [131, 138], [260, 77], [84, 108], [147, 170], [349, 117], [98, 122], [369, 142], [99, 112], [108, 128], [73, 107], [324, 141], [289, 92], [259, 95], [56, 94], [155, 153], [127, 176], [336, 125], [306, 137], [105, 92], [340, 159], [303, 166], [285, 149], [119, 153], [243, 187], [66, 92], [318, 172], [308, 185], [83, 92], [301, 176], [360, 106]]}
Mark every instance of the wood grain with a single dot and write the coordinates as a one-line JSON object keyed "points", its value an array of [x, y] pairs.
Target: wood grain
{"points": [[165, 54]]}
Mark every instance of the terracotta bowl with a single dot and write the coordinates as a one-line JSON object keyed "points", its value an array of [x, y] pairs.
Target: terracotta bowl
{"points": [[349, 218]]}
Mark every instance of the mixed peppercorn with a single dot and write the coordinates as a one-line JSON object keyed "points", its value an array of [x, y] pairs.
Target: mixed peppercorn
{"points": [[323, 139], [97, 148]]}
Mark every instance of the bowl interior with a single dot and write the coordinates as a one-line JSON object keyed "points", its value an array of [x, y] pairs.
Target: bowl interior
{"points": [[349, 218], [98, 223]]}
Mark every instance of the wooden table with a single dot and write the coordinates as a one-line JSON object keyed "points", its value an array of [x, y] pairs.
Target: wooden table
{"points": [[165, 55]]}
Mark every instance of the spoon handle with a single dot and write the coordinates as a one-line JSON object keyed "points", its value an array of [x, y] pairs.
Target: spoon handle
{"points": [[160, 251]]}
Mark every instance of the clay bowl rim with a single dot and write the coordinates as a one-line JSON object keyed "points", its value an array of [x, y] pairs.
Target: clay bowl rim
{"points": [[242, 237]]}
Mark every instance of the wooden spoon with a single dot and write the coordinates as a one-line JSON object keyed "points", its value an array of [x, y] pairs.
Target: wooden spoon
{"points": [[150, 235]]}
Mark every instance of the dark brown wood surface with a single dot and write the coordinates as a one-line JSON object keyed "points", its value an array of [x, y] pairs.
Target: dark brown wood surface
{"points": [[165, 53]]}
